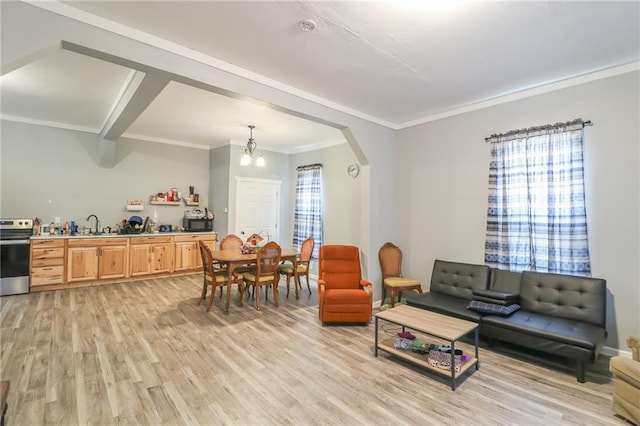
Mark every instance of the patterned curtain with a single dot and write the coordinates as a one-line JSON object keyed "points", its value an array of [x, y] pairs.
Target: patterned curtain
{"points": [[308, 208], [536, 217]]}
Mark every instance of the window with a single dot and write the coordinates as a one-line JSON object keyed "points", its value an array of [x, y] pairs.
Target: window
{"points": [[536, 216], [308, 207]]}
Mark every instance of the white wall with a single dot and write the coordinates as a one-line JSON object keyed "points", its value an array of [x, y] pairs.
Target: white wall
{"points": [[444, 178], [48, 172]]}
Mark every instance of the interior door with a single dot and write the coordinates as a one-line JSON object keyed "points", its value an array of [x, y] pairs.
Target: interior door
{"points": [[258, 208]]}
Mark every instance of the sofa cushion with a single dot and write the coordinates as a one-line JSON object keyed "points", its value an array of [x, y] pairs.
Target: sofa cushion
{"points": [[443, 304], [458, 279], [505, 281], [560, 330], [496, 297], [570, 297], [492, 308]]}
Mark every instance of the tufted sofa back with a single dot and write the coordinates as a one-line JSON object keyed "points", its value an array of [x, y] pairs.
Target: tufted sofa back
{"points": [[458, 279], [565, 296]]}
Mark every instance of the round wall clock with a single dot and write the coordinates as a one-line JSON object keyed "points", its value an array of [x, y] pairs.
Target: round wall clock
{"points": [[353, 170]]}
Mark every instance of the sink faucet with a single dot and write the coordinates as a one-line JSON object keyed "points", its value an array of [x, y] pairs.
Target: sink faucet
{"points": [[93, 215]]}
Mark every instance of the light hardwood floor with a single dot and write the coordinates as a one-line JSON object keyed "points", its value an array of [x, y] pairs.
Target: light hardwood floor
{"points": [[145, 353]]}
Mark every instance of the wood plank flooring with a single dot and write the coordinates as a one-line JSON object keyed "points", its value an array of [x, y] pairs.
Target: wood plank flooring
{"points": [[145, 353]]}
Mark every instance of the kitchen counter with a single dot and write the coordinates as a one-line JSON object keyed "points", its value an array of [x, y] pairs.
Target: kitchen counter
{"points": [[155, 234]]}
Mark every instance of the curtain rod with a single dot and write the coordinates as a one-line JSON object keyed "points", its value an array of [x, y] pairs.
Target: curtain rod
{"points": [[308, 166], [535, 129]]}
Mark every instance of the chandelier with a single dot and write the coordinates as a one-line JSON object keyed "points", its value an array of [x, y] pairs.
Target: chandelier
{"points": [[250, 151]]}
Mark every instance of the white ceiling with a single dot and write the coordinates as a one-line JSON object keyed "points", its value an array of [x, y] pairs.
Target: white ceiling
{"points": [[393, 62]]}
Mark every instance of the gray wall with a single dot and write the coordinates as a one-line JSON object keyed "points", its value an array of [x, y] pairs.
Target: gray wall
{"points": [[219, 187], [48, 172], [443, 195], [342, 194]]}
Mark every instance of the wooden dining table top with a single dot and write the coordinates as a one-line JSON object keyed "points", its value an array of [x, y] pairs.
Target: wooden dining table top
{"points": [[235, 258], [236, 255]]}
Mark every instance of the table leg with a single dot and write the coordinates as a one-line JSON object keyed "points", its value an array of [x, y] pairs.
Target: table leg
{"points": [[232, 269], [453, 365], [477, 358], [375, 344]]}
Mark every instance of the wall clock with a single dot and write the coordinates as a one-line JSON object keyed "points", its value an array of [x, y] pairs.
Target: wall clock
{"points": [[353, 170]]}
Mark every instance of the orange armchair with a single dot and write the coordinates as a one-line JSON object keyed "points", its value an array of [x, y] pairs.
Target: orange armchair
{"points": [[343, 295]]}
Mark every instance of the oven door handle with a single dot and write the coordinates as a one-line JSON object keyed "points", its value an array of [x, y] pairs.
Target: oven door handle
{"points": [[14, 242]]}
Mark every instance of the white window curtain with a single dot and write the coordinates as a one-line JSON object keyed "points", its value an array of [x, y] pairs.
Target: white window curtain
{"points": [[536, 217], [308, 207]]}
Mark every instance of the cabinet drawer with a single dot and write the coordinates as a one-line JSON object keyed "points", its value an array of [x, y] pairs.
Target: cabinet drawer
{"points": [[150, 240], [58, 261], [200, 237], [48, 253], [97, 242], [47, 275], [47, 243]]}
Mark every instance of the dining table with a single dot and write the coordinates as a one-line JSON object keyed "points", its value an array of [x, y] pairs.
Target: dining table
{"points": [[235, 258]]}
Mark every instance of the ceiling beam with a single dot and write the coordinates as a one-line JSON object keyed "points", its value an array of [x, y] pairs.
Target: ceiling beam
{"points": [[141, 90]]}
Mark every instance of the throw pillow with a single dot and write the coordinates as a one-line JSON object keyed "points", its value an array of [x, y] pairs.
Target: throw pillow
{"points": [[491, 308]]}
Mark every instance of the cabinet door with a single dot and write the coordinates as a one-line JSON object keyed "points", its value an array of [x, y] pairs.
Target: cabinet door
{"points": [[113, 262], [161, 258], [185, 256], [83, 264], [139, 260]]}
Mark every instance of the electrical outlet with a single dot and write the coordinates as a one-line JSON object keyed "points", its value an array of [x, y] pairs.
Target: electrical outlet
{"points": [[225, 210], [57, 219]]}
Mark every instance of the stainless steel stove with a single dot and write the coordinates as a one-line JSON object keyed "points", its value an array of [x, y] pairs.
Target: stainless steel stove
{"points": [[15, 242]]}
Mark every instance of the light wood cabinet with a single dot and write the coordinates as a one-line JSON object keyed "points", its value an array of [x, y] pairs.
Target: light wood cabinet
{"points": [[151, 255], [72, 262], [97, 258], [187, 251], [47, 262]]}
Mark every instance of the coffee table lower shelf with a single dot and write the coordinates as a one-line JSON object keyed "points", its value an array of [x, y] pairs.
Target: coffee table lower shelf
{"points": [[421, 360]]}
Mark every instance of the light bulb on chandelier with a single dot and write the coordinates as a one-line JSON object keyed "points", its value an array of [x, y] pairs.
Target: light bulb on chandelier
{"points": [[249, 152]]}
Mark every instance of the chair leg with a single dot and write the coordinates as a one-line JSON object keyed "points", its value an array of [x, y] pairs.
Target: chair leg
{"points": [[308, 286], [257, 295], [296, 282], [384, 294], [212, 298], [241, 288], [275, 294], [393, 297], [204, 292], [288, 279]]}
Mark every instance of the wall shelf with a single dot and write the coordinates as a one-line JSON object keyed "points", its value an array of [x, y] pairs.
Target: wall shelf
{"points": [[192, 203], [165, 203]]}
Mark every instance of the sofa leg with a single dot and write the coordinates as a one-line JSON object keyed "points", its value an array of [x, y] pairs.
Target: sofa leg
{"points": [[581, 371]]}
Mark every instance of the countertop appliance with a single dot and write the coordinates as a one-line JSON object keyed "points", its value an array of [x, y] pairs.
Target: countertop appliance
{"points": [[197, 225], [15, 252]]}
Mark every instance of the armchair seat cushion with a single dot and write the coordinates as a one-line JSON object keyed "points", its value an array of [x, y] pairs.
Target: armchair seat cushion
{"points": [[341, 296], [401, 282]]}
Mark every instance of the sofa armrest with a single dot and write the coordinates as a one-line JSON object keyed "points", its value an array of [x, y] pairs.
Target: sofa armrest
{"points": [[496, 297], [633, 343], [366, 286]]}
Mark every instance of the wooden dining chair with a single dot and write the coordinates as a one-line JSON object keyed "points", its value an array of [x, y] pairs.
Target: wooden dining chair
{"points": [[390, 257], [299, 267], [214, 277], [266, 273], [254, 239]]}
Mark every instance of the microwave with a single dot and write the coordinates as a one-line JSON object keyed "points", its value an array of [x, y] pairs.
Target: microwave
{"points": [[197, 225]]}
